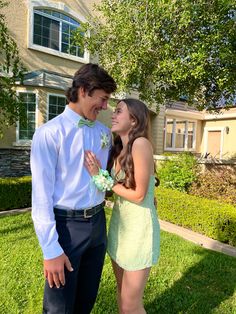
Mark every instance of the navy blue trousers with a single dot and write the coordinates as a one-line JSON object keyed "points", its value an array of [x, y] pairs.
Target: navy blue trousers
{"points": [[84, 242]]}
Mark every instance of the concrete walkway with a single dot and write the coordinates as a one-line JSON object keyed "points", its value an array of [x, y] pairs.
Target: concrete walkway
{"points": [[14, 211], [187, 234], [199, 239]]}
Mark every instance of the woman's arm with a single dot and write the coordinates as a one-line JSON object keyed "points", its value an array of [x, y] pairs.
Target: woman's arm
{"points": [[143, 167]]}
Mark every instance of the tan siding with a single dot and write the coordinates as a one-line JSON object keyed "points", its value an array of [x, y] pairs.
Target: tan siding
{"points": [[199, 136], [157, 124]]}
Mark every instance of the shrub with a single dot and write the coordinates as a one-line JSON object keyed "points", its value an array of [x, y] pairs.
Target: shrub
{"points": [[15, 193], [211, 218], [179, 172], [215, 185]]}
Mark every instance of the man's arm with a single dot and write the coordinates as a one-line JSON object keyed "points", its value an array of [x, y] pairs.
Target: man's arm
{"points": [[44, 154]]}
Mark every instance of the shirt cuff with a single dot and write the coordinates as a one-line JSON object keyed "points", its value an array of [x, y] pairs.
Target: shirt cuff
{"points": [[52, 251]]}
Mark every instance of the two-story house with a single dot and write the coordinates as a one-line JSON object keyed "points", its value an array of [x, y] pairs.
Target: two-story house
{"points": [[43, 31]]}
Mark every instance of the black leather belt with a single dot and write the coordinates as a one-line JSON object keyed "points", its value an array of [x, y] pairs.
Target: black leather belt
{"points": [[80, 213]]}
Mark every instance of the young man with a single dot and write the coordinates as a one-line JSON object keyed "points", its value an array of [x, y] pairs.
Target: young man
{"points": [[67, 208]]}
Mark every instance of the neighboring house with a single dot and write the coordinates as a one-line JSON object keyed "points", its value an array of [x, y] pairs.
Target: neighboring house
{"points": [[43, 31], [211, 135]]}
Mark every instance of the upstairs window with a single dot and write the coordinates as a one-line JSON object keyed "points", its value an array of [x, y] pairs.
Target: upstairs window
{"points": [[54, 30]]}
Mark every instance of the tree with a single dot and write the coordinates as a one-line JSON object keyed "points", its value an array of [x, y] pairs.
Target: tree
{"points": [[11, 71], [167, 49]]}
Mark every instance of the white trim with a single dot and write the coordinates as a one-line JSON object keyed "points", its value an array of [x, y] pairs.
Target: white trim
{"points": [[59, 6], [47, 105], [185, 148], [186, 135], [184, 114], [201, 115], [194, 134], [220, 116], [173, 136], [206, 130], [19, 142]]}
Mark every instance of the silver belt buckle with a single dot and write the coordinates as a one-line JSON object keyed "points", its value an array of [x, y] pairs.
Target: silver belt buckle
{"points": [[85, 213]]}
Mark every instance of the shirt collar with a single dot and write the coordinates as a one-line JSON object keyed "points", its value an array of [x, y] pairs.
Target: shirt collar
{"points": [[73, 116]]}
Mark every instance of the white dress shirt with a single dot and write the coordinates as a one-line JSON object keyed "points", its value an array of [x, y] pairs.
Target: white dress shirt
{"points": [[59, 178]]}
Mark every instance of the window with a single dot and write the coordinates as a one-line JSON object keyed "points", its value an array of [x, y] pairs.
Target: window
{"points": [[54, 30], [56, 105], [191, 131], [180, 130], [169, 132], [180, 134], [27, 126]]}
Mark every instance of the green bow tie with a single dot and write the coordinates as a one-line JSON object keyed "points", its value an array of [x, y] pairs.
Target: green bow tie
{"points": [[83, 122]]}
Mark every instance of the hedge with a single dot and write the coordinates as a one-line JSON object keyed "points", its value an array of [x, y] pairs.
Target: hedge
{"points": [[209, 217], [15, 193]]}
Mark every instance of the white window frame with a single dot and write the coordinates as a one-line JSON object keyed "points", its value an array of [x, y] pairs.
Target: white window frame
{"points": [[20, 142], [62, 8], [185, 148], [210, 129], [52, 94]]}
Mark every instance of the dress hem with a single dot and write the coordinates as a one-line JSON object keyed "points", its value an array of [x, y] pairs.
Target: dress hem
{"points": [[135, 268]]}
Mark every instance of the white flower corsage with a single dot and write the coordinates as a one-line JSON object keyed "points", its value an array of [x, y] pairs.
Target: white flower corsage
{"points": [[103, 180], [104, 140]]}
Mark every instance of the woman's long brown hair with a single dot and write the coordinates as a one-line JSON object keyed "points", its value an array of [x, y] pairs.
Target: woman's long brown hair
{"points": [[139, 112]]}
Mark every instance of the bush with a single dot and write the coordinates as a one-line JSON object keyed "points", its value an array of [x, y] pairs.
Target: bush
{"points": [[215, 185], [179, 172], [15, 193], [211, 218]]}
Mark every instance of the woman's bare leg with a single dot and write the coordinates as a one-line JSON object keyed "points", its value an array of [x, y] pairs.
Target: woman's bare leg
{"points": [[133, 285], [130, 289], [118, 271]]}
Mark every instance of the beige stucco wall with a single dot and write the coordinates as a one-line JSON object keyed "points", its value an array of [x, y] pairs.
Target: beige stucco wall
{"points": [[17, 15]]}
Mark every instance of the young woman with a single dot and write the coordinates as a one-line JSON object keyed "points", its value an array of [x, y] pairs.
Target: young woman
{"points": [[134, 233]]}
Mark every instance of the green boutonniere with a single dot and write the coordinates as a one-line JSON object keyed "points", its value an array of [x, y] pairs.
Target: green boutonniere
{"points": [[104, 140]]}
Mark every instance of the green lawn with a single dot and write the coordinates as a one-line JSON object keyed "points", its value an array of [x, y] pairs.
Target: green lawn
{"points": [[187, 279]]}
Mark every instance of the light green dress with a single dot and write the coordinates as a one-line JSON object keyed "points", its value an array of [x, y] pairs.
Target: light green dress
{"points": [[134, 232]]}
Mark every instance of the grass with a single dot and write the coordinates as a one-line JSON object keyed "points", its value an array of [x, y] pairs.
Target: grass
{"points": [[187, 279]]}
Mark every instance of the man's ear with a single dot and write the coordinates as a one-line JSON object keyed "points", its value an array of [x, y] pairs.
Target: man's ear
{"points": [[81, 92]]}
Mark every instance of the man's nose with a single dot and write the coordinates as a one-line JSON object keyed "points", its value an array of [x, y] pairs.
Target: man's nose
{"points": [[104, 104]]}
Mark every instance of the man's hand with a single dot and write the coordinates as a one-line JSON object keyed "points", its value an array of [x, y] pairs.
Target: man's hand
{"points": [[54, 270]]}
